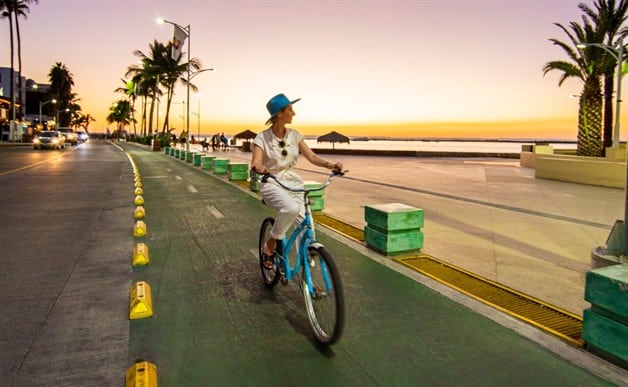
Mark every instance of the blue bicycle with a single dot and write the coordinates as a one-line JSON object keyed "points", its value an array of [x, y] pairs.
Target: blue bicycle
{"points": [[318, 275]]}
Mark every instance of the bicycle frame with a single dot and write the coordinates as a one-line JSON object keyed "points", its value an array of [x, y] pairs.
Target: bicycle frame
{"points": [[306, 231]]}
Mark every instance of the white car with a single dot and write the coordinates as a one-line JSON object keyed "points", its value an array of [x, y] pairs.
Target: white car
{"points": [[49, 139], [82, 136], [69, 135]]}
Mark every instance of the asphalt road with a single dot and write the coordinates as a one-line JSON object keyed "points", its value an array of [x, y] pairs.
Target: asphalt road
{"points": [[65, 266], [65, 239]]}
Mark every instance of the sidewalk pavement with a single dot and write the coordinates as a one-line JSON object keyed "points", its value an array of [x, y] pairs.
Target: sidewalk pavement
{"points": [[491, 217]]}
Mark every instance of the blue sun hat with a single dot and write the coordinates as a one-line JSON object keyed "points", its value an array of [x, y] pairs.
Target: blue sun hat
{"points": [[277, 103]]}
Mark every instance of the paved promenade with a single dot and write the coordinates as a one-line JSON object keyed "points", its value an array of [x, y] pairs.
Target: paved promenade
{"points": [[489, 216]]}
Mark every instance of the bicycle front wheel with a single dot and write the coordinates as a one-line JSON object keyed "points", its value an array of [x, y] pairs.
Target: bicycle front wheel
{"points": [[270, 276], [325, 304]]}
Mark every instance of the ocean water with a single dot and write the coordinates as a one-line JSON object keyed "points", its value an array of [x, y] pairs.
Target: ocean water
{"points": [[437, 145], [434, 145]]}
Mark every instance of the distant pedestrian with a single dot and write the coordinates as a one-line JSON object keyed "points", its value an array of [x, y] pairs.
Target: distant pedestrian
{"points": [[214, 142], [225, 141]]}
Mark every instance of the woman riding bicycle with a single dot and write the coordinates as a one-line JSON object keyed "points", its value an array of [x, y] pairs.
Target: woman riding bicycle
{"points": [[276, 150]]}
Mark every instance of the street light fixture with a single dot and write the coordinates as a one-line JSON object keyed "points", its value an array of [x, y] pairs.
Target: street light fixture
{"points": [[41, 104], [187, 30]]}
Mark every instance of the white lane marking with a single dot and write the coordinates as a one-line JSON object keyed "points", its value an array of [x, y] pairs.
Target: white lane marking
{"points": [[178, 177], [192, 189], [215, 213]]}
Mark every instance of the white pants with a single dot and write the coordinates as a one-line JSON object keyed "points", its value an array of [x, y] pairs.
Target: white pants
{"points": [[289, 205]]}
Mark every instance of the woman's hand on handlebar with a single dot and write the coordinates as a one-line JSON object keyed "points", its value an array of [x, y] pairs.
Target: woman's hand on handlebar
{"points": [[260, 169], [335, 167]]}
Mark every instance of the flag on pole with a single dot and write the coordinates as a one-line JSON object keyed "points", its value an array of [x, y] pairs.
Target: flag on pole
{"points": [[177, 41]]}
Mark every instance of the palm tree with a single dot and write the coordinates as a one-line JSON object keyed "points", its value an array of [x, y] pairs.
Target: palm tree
{"points": [[608, 18], [120, 113], [148, 74], [61, 83], [13, 9], [130, 90], [7, 7], [586, 66], [159, 69], [83, 121]]}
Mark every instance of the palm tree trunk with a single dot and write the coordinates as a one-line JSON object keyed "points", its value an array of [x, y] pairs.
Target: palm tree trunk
{"points": [[12, 73], [20, 89], [151, 111], [590, 120]]}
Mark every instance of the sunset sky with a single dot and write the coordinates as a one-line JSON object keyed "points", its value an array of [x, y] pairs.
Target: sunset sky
{"points": [[448, 68]]}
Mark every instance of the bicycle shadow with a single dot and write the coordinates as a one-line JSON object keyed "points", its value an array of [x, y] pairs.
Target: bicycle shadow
{"points": [[288, 298]]}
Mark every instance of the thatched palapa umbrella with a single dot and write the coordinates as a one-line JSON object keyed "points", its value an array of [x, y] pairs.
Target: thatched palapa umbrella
{"points": [[333, 137], [247, 135]]}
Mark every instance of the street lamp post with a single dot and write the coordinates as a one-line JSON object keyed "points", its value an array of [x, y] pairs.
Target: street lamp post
{"points": [[187, 30], [199, 96], [41, 104]]}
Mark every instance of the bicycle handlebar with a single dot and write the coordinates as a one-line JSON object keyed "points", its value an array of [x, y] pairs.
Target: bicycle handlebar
{"points": [[333, 174]]}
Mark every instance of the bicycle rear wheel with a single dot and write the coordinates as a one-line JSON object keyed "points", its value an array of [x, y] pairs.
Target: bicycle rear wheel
{"points": [[270, 276], [325, 307]]}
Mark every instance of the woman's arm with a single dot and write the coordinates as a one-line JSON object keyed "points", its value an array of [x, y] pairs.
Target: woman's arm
{"points": [[317, 160], [257, 160]]}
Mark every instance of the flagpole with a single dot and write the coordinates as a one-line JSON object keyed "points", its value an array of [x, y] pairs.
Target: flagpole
{"points": [[187, 30], [187, 120]]}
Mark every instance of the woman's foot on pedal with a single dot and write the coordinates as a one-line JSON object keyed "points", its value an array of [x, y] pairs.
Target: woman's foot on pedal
{"points": [[268, 261]]}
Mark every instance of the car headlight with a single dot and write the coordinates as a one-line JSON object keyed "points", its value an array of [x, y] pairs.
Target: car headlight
{"points": [[36, 141], [55, 141]]}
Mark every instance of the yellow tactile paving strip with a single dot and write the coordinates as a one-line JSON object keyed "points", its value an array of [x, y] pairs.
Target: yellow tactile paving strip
{"points": [[547, 317]]}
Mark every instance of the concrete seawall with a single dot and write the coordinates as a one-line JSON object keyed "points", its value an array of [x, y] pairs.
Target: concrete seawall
{"points": [[408, 153]]}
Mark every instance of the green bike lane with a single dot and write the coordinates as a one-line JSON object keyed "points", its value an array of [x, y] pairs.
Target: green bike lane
{"points": [[215, 323]]}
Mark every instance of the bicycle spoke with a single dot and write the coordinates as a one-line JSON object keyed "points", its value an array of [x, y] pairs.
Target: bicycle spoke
{"points": [[325, 304]]}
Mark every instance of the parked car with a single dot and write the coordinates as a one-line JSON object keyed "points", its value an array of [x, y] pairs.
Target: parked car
{"points": [[69, 134], [49, 139], [82, 136]]}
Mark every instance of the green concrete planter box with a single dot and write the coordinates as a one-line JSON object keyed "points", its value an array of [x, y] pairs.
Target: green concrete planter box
{"points": [[182, 155], [313, 184], [605, 334], [238, 175], [197, 159], [189, 157], [607, 288], [167, 150], [238, 167], [393, 217], [177, 153], [220, 166], [393, 242], [317, 203], [207, 162]]}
